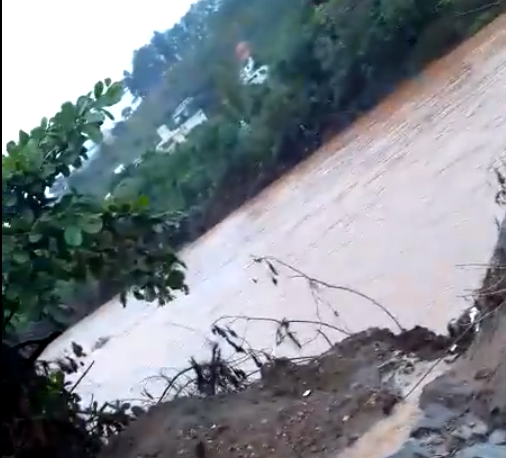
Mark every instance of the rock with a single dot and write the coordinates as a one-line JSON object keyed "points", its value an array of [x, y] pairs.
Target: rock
{"points": [[435, 419], [473, 428], [497, 437], [446, 390], [482, 451], [464, 432], [480, 428], [497, 418], [352, 438], [412, 449]]}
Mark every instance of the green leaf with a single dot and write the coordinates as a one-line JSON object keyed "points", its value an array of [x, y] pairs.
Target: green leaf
{"points": [[113, 95], [75, 239], [98, 90], [11, 147], [12, 294], [20, 257], [23, 138], [65, 171], [38, 133], [83, 103], [143, 201], [92, 225], [107, 82], [27, 215], [93, 132], [11, 201], [78, 162], [73, 236], [176, 279], [35, 155], [68, 112], [108, 114], [34, 237], [95, 117]]}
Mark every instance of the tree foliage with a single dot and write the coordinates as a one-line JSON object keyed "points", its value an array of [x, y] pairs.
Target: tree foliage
{"points": [[49, 241]]}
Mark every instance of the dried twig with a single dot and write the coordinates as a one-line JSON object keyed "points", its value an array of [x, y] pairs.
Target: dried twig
{"points": [[171, 383], [279, 322], [479, 9], [80, 379], [315, 281]]}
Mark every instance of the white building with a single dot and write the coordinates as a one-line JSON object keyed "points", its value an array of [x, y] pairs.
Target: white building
{"points": [[185, 121], [251, 75]]}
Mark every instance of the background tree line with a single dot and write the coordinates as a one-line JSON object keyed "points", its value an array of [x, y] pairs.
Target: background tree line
{"points": [[329, 61]]}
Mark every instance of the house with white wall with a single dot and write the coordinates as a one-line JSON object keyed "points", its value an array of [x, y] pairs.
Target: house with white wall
{"points": [[185, 120], [249, 74]]}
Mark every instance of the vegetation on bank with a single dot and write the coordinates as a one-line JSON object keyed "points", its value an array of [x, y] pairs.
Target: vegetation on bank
{"points": [[49, 242], [328, 63]]}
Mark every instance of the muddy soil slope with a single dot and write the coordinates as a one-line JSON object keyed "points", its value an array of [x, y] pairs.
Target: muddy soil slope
{"points": [[324, 407], [308, 410]]}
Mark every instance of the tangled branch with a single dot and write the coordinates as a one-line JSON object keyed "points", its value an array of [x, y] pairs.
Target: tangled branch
{"points": [[269, 261]]}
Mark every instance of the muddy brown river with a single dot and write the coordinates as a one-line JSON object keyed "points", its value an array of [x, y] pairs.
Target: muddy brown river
{"points": [[400, 207]]}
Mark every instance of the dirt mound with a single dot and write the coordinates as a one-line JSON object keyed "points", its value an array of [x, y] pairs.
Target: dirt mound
{"points": [[293, 410]]}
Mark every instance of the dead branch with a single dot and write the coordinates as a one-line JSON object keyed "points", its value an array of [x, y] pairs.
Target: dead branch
{"points": [[83, 375], [279, 322], [269, 260]]}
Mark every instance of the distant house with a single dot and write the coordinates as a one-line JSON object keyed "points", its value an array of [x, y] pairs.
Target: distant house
{"points": [[185, 120], [250, 74]]}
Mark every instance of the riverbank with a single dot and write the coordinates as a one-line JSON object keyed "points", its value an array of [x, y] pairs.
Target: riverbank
{"points": [[369, 395], [294, 410]]}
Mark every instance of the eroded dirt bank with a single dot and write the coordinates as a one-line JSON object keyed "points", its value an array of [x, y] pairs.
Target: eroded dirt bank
{"points": [[305, 410], [355, 401]]}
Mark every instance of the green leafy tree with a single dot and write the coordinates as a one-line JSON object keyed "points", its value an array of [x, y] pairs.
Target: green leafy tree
{"points": [[48, 241]]}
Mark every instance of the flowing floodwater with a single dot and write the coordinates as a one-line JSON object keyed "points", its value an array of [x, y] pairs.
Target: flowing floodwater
{"points": [[392, 208]]}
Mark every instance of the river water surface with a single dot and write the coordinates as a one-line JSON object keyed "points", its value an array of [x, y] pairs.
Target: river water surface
{"points": [[393, 207]]}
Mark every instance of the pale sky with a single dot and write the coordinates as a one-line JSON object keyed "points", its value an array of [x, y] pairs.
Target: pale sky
{"points": [[55, 50]]}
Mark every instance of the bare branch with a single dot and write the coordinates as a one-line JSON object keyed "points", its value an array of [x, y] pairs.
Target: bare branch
{"points": [[316, 281]]}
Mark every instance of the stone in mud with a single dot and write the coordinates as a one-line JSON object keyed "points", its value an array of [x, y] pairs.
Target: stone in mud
{"points": [[497, 437], [447, 390], [472, 428], [436, 417], [482, 451], [463, 432]]}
